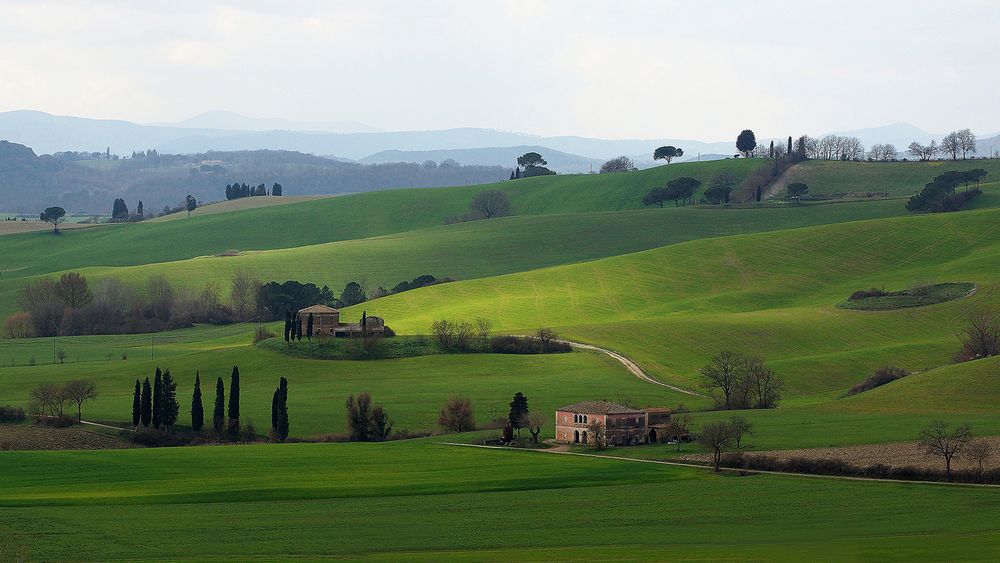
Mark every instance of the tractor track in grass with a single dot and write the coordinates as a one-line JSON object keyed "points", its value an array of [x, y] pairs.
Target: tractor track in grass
{"points": [[722, 469], [633, 367]]}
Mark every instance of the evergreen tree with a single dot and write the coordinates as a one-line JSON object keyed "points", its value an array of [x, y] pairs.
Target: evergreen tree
{"points": [[219, 415], [234, 401], [147, 404], [298, 329], [197, 408], [274, 411], [512, 175], [288, 324], [138, 209], [276, 189], [309, 327], [770, 151], [168, 395], [136, 405], [518, 415], [158, 399], [281, 430], [789, 152]]}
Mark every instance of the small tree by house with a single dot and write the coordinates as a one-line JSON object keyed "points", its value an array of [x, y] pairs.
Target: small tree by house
{"points": [[680, 426], [54, 215], [740, 427], [597, 435], [796, 190], [940, 441], [517, 417], [456, 415], [80, 391], [197, 407], [536, 421], [716, 436], [309, 327], [219, 410]]}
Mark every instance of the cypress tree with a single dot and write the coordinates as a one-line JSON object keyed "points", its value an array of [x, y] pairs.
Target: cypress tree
{"points": [[147, 404], [282, 422], [168, 395], [234, 401], [138, 209], [309, 327], [136, 405], [288, 324], [789, 146], [197, 409], [219, 415], [298, 329], [770, 152], [275, 399], [158, 399]]}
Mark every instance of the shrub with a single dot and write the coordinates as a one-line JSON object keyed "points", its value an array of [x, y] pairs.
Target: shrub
{"points": [[262, 333], [11, 414], [527, 345], [866, 293], [881, 376]]}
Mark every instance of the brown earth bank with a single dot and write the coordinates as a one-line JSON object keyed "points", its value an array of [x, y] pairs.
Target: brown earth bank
{"points": [[897, 454], [39, 437]]}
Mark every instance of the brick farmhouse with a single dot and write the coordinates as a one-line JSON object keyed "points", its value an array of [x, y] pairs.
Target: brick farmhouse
{"points": [[623, 425], [326, 322]]}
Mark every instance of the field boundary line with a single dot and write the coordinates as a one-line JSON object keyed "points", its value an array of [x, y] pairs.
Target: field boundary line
{"points": [[723, 469]]}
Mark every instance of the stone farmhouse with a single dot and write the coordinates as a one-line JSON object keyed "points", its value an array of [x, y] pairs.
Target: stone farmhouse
{"points": [[623, 426], [326, 322]]}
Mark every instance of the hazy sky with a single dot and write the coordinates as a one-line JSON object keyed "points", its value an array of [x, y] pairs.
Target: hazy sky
{"points": [[691, 69]]}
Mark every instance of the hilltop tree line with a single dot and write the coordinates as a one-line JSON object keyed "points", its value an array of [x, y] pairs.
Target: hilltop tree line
{"points": [[530, 164], [940, 195], [237, 190]]}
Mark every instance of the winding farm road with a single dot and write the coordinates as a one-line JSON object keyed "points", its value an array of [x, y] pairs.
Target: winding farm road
{"points": [[633, 367]]}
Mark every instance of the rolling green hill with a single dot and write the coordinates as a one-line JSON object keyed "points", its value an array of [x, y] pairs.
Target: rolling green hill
{"points": [[897, 178]]}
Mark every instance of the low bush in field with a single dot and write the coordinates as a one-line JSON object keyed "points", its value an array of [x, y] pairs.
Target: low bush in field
{"points": [[881, 376], [11, 414], [881, 300], [527, 345], [262, 333]]}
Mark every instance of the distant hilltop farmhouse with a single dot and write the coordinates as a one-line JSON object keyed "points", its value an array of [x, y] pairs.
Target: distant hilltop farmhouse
{"points": [[326, 322]]}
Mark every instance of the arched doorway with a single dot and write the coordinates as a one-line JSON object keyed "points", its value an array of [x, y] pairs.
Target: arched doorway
{"points": [[576, 436], [583, 437], [652, 435]]}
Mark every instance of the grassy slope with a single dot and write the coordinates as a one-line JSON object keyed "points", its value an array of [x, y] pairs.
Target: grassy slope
{"points": [[897, 178], [420, 500], [331, 219], [771, 293], [412, 389]]}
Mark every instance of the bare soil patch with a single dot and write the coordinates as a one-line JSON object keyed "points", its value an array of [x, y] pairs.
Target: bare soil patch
{"points": [[36, 437], [896, 454]]}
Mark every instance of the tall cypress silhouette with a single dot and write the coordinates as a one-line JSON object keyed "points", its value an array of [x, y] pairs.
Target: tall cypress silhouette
{"points": [[158, 399], [170, 409], [282, 426], [197, 408], [219, 414], [136, 405], [147, 403], [234, 401]]}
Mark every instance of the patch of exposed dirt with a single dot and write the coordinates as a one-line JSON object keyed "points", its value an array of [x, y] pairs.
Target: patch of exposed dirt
{"points": [[897, 454], [37, 437]]}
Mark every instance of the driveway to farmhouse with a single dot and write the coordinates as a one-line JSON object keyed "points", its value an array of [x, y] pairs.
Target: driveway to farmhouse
{"points": [[633, 367]]}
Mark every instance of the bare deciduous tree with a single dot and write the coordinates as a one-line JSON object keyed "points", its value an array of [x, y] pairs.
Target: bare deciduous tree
{"points": [[725, 373], [491, 203], [966, 142], [80, 391], [740, 427], [243, 293], [536, 421], [716, 436], [938, 440], [950, 145], [48, 399], [981, 337], [680, 426], [483, 328], [618, 164], [979, 451], [456, 415], [597, 435]]}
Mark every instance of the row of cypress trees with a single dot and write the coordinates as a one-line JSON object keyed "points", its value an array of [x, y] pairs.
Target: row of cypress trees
{"points": [[293, 326], [157, 404]]}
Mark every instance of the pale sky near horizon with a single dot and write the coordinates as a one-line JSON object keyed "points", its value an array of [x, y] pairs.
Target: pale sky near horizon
{"points": [[642, 69]]}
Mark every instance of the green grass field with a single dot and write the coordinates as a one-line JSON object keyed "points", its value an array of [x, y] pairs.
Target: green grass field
{"points": [[419, 500], [667, 287]]}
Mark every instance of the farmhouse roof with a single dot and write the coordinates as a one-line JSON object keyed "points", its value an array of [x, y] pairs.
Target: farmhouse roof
{"points": [[318, 309], [599, 407]]}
